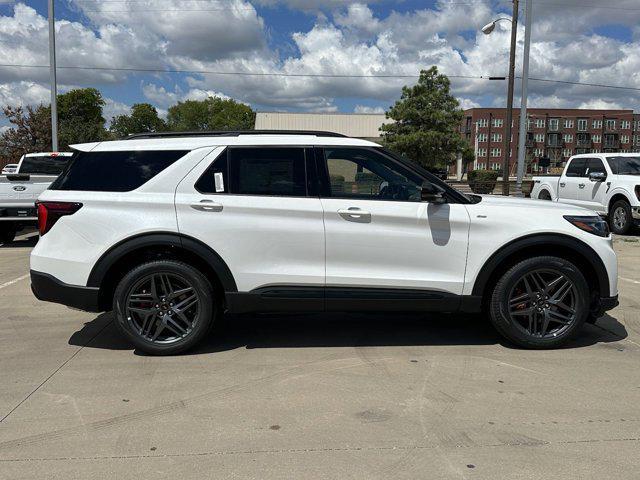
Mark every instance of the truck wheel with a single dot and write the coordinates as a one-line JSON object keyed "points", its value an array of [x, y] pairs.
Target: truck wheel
{"points": [[540, 302], [7, 233], [544, 195], [165, 306], [620, 217]]}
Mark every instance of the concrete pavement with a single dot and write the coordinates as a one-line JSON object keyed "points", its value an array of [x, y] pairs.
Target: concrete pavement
{"points": [[335, 397]]}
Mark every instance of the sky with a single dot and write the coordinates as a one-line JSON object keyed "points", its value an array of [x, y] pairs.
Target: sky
{"points": [[316, 55]]}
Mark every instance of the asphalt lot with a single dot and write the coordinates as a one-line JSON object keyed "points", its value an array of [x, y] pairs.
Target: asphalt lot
{"points": [[336, 397]]}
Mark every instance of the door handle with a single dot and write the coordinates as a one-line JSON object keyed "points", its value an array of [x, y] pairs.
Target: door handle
{"points": [[354, 214], [207, 206], [581, 185], [562, 184]]}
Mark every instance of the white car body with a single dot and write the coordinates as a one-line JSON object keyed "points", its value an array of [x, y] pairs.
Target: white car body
{"points": [[276, 242], [9, 168], [584, 192]]}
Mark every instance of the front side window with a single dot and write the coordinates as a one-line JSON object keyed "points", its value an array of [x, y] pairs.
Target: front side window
{"points": [[364, 174], [595, 165], [577, 167]]}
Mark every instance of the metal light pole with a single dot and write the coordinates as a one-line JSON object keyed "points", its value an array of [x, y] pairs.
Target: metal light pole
{"points": [[523, 100], [52, 72]]}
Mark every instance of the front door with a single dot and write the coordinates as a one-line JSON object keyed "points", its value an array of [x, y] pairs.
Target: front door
{"points": [[571, 178], [592, 194], [383, 244]]}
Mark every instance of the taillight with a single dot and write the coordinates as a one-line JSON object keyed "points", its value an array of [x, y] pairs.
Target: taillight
{"points": [[50, 212]]}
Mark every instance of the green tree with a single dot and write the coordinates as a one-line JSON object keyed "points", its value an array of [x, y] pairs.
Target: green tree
{"points": [[30, 131], [213, 113], [80, 117], [143, 118], [426, 122]]}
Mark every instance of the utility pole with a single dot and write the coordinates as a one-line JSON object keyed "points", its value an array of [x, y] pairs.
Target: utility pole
{"points": [[507, 139], [52, 72], [522, 150]]}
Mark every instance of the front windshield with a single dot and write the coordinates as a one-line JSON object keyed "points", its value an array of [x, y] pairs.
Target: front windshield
{"points": [[624, 165]]}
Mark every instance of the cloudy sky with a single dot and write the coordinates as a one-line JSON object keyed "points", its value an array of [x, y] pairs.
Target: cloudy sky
{"points": [[359, 54]]}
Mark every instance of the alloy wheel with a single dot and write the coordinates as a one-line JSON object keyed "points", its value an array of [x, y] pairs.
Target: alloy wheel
{"points": [[620, 218], [163, 308], [543, 303]]}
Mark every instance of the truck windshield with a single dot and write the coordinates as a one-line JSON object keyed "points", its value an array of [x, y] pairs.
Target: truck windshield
{"points": [[624, 165], [43, 165]]}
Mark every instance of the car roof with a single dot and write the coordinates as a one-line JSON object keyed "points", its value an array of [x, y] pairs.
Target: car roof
{"points": [[606, 154], [248, 139]]}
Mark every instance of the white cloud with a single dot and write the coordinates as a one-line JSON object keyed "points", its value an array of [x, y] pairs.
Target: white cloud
{"points": [[23, 93], [113, 108], [366, 109]]}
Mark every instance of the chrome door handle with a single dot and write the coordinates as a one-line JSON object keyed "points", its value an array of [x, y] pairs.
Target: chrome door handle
{"points": [[207, 206], [562, 184], [354, 214], [581, 185]]}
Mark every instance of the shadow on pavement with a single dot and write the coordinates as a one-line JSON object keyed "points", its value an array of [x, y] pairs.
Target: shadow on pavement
{"points": [[342, 330], [21, 243]]}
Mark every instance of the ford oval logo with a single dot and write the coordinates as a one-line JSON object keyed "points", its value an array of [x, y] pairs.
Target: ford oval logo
{"points": [[19, 188]]}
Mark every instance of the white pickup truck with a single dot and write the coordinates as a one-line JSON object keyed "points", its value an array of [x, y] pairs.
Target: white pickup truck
{"points": [[608, 183], [20, 190]]}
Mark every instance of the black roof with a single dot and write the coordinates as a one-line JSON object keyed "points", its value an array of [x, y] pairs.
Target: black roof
{"points": [[234, 133]]}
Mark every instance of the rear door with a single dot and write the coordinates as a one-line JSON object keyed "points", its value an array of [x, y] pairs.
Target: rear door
{"points": [[256, 208], [572, 176], [384, 245]]}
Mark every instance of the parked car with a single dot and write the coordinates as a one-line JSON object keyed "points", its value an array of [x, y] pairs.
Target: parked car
{"points": [[20, 189], [608, 183], [171, 230], [9, 168]]}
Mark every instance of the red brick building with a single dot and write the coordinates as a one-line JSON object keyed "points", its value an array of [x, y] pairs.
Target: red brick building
{"points": [[551, 132]]}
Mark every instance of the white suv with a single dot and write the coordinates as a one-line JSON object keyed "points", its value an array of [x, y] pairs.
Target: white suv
{"points": [[172, 230]]}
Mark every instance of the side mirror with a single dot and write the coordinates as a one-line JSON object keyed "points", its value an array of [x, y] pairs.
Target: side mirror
{"points": [[597, 176], [432, 194]]}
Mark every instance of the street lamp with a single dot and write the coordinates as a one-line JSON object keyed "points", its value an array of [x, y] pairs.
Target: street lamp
{"points": [[487, 29]]}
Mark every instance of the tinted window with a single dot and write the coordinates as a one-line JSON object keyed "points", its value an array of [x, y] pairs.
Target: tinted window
{"points": [[624, 165], [363, 173], [43, 165], [595, 165], [214, 179], [577, 168], [267, 171], [114, 171]]}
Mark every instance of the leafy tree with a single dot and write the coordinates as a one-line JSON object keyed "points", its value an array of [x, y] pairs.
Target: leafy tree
{"points": [[31, 131], [143, 118], [426, 122], [213, 113]]}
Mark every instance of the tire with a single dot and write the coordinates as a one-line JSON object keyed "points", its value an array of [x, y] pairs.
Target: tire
{"points": [[544, 195], [518, 314], [146, 314], [620, 220], [7, 233]]}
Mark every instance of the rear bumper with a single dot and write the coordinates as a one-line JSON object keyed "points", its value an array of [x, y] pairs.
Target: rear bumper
{"points": [[49, 289]]}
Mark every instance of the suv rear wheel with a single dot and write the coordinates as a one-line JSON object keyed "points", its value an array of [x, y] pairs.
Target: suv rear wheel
{"points": [[540, 302], [165, 306]]}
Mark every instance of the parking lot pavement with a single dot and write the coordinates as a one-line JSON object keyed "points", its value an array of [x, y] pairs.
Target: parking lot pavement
{"points": [[343, 396]]}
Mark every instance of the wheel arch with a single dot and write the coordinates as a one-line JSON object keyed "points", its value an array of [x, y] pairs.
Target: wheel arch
{"points": [[123, 256], [563, 246], [615, 196]]}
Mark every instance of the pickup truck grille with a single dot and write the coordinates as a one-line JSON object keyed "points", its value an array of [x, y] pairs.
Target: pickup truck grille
{"points": [[18, 212]]}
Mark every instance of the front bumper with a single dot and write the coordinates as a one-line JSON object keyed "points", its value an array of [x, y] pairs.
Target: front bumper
{"points": [[635, 213], [49, 289]]}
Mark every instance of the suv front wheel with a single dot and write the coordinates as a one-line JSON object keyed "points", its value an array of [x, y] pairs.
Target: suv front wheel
{"points": [[164, 307], [540, 302]]}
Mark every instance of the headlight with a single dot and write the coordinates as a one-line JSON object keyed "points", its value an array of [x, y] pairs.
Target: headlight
{"points": [[595, 225]]}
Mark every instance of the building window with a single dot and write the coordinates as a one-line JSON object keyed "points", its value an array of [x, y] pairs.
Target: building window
{"points": [[496, 137], [539, 137], [497, 122], [568, 138], [482, 137], [610, 124], [496, 152], [568, 123], [595, 138], [483, 122], [538, 152], [582, 124], [482, 152], [481, 165], [636, 139], [540, 122], [554, 123], [595, 150], [597, 124], [530, 123], [566, 152], [624, 138], [495, 166], [625, 124]]}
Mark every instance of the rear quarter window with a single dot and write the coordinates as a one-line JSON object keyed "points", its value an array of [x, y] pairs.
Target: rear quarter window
{"points": [[114, 171], [44, 165]]}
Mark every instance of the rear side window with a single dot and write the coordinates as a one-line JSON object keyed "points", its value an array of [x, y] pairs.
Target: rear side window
{"points": [[45, 165], [577, 167], [267, 171], [114, 171]]}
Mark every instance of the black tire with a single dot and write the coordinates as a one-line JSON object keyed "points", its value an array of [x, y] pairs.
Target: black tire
{"points": [[7, 233], [620, 219], [167, 331], [544, 195], [514, 320]]}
